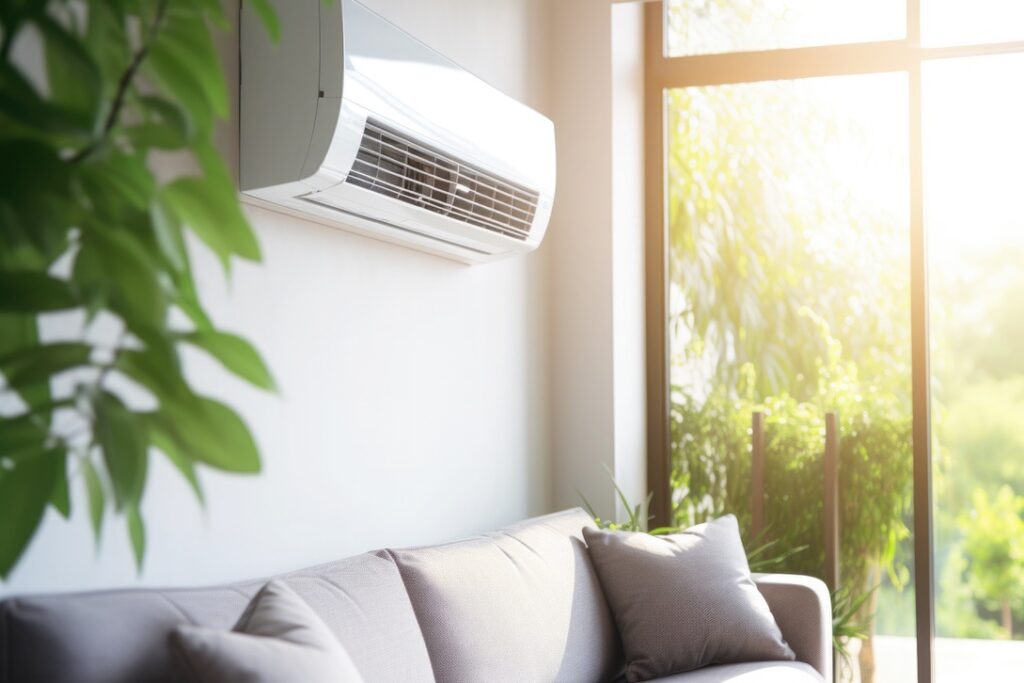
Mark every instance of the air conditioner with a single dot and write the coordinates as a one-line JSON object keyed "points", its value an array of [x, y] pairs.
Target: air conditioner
{"points": [[350, 121]]}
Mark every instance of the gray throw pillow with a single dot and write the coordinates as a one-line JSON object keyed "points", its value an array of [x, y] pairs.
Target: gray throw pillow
{"points": [[278, 639], [685, 600]]}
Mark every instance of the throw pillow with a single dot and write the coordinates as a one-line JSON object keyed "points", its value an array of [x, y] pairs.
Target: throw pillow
{"points": [[685, 600], [278, 639]]}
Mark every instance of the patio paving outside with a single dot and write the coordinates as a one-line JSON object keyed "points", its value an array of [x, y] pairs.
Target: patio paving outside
{"points": [[957, 660]]}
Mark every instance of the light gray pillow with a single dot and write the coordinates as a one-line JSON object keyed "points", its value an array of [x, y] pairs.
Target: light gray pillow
{"points": [[685, 600], [278, 639]]}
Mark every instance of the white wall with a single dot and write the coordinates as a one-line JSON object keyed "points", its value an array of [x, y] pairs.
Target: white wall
{"points": [[597, 244], [414, 400]]}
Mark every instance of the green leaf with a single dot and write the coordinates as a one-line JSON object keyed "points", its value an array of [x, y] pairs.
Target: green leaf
{"points": [[72, 74], [213, 216], [121, 177], [236, 354], [156, 370], [107, 39], [167, 445], [20, 435], [121, 435], [185, 39], [136, 533], [25, 114], [42, 362], [165, 124], [210, 432], [36, 216], [60, 498], [268, 16], [97, 499], [19, 331], [167, 231], [178, 81], [114, 267], [24, 494], [30, 292]]}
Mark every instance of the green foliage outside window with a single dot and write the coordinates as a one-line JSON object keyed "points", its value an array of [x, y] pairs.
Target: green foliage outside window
{"points": [[91, 234]]}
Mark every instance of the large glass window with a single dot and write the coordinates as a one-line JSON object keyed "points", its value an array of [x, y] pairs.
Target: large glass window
{"points": [[789, 297], [710, 26], [974, 144], [799, 190]]}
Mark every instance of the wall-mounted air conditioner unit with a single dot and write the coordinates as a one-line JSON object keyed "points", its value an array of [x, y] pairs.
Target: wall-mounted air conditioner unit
{"points": [[351, 122]]}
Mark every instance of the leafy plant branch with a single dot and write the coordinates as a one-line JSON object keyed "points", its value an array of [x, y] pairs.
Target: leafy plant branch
{"points": [[94, 245]]}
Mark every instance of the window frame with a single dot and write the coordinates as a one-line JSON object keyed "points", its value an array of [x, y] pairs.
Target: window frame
{"points": [[661, 73]]}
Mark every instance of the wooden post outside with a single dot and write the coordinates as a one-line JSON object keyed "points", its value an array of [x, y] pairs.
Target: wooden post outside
{"points": [[831, 462], [756, 476]]}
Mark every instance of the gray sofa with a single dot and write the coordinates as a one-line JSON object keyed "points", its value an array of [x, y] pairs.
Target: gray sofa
{"points": [[520, 604]]}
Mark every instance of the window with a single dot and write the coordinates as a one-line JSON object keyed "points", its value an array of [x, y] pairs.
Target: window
{"points": [[798, 154]]}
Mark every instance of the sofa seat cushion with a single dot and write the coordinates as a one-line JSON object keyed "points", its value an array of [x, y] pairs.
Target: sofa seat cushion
{"points": [[749, 672], [519, 604]]}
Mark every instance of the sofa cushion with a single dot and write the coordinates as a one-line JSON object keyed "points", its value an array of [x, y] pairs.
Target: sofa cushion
{"points": [[519, 604], [749, 672], [121, 636], [685, 600], [278, 639]]}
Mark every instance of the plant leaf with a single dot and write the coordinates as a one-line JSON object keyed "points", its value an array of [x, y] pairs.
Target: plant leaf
{"points": [[60, 498], [236, 354], [72, 74], [268, 16], [185, 39], [114, 268], [209, 432], [97, 498], [120, 435], [21, 434], [136, 533], [30, 292], [156, 371], [24, 493], [107, 40], [167, 445], [213, 216], [42, 362]]}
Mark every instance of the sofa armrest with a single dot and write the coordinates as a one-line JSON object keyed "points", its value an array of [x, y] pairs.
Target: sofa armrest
{"points": [[803, 609]]}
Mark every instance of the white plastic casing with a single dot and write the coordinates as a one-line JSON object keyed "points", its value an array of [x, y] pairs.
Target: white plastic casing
{"points": [[305, 102]]}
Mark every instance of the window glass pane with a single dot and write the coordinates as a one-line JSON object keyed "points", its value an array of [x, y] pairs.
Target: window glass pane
{"points": [[974, 144], [956, 22], [789, 296], [709, 26]]}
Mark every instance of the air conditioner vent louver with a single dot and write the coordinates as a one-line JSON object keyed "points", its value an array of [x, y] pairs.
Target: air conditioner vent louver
{"points": [[393, 164]]}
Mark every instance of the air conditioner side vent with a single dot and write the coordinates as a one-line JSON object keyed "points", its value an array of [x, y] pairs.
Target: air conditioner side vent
{"points": [[396, 165]]}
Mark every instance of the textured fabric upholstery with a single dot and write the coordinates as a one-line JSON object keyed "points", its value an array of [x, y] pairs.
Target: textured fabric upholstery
{"points": [[278, 639], [803, 610], [121, 636], [753, 672], [685, 600], [522, 604], [526, 597]]}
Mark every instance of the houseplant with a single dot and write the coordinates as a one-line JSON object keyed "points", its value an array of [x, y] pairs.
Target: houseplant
{"points": [[94, 252]]}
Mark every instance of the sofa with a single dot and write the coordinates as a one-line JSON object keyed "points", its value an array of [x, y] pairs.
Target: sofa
{"points": [[520, 604]]}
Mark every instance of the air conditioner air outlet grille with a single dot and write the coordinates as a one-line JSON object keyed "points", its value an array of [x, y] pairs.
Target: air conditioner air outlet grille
{"points": [[395, 165]]}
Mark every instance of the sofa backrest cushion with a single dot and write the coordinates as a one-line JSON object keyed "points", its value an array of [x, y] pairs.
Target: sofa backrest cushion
{"points": [[122, 636], [518, 604]]}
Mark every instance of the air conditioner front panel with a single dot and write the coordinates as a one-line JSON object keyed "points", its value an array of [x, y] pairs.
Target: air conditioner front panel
{"points": [[368, 203], [389, 134]]}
